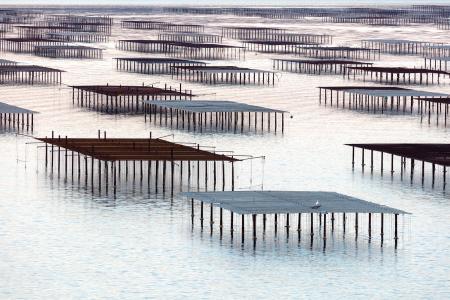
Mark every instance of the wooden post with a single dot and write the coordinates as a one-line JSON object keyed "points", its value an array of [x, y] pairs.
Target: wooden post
{"points": [[254, 226]]}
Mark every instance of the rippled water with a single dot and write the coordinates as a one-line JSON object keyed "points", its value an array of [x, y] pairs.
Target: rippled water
{"points": [[58, 241]]}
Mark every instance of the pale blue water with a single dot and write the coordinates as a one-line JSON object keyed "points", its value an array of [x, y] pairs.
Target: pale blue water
{"points": [[57, 241]]}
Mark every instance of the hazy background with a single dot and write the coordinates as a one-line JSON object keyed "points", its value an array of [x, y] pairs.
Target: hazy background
{"points": [[223, 2]]}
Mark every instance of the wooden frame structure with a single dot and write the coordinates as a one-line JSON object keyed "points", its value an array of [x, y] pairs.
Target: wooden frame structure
{"points": [[24, 74], [376, 99], [184, 50], [293, 210], [274, 46], [123, 98], [433, 154], [88, 26], [305, 38], [14, 117], [69, 51], [153, 65], [399, 47], [43, 31], [160, 25], [71, 18], [190, 37], [396, 75], [78, 37], [106, 162], [315, 66], [224, 75], [143, 24], [6, 26], [436, 50], [6, 62], [437, 63], [26, 45], [338, 52], [214, 115], [250, 33]]}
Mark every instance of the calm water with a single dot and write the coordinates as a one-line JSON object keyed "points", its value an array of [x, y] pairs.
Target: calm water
{"points": [[58, 241]]}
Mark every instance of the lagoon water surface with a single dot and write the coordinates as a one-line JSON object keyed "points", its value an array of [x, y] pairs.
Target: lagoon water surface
{"points": [[59, 241]]}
